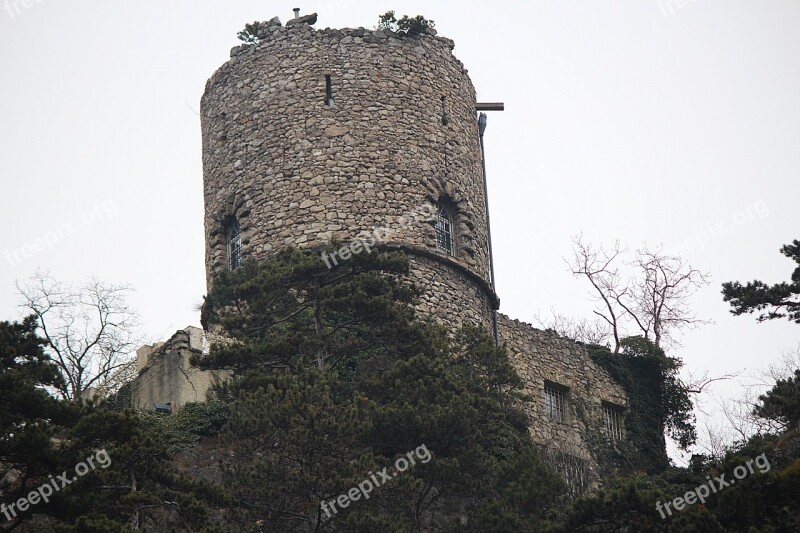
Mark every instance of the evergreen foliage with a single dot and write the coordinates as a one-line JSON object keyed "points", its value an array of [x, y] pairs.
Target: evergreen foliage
{"points": [[766, 499], [139, 489], [29, 417], [336, 378], [249, 35], [406, 25], [781, 300], [782, 402]]}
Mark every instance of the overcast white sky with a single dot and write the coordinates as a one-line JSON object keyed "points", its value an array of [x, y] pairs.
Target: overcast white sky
{"points": [[636, 120]]}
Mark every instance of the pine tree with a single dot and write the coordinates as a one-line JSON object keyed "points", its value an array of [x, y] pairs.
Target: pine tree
{"points": [[337, 379], [774, 301], [29, 416]]}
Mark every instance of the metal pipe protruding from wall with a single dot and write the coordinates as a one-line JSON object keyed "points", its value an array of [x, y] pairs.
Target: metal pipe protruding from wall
{"points": [[481, 130]]}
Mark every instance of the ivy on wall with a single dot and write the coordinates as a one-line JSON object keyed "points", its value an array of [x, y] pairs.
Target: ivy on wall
{"points": [[657, 403]]}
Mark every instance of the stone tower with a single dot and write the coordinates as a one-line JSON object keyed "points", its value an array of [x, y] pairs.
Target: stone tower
{"points": [[339, 135], [312, 135]]}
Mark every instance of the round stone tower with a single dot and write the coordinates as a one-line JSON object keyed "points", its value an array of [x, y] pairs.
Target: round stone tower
{"points": [[312, 135]]}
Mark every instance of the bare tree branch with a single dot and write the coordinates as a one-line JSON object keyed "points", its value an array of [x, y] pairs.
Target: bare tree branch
{"points": [[663, 293], [581, 330], [736, 419], [90, 331], [696, 385], [595, 265], [652, 300]]}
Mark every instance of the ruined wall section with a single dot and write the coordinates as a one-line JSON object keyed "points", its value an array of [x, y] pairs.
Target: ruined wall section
{"points": [[167, 376], [541, 356], [401, 133]]}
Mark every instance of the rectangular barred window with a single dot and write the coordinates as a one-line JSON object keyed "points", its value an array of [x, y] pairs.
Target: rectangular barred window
{"points": [[555, 401], [612, 420], [573, 470], [234, 234], [444, 231]]}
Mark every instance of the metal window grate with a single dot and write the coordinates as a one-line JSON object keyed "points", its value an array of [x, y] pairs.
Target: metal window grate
{"points": [[444, 231], [234, 245], [555, 403], [573, 470], [612, 418]]}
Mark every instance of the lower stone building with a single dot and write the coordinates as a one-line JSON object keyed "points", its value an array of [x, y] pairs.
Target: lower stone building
{"points": [[573, 400], [167, 380]]}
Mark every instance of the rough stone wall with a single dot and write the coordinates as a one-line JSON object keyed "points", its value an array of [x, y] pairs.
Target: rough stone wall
{"points": [[169, 377], [450, 297], [402, 133], [543, 355]]}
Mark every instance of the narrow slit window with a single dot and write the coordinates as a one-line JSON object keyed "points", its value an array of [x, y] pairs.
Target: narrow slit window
{"points": [[328, 91], [445, 117], [445, 241], [234, 238]]}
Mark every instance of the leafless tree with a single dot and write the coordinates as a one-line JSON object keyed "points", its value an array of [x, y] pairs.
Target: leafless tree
{"points": [[600, 269], [661, 295], [697, 384], [782, 369], [577, 329], [119, 377], [90, 331], [734, 419], [650, 300], [757, 385], [732, 423], [713, 439]]}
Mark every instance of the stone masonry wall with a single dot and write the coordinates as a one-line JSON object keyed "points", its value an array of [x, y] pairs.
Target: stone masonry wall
{"points": [[448, 296], [169, 377], [402, 133], [543, 355]]}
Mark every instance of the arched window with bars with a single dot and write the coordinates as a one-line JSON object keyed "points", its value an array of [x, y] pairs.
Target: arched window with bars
{"points": [[445, 230], [233, 235]]}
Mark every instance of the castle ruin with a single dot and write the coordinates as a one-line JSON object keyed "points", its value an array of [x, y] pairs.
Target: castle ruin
{"points": [[314, 136]]}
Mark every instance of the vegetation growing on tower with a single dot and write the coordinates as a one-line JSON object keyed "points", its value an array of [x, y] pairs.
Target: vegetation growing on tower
{"points": [[249, 35], [405, 25], [337, 377]]}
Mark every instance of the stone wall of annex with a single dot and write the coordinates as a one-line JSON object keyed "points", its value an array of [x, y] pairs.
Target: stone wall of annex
{"points": [[166, 375], [541, 356], [401, 134]]}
